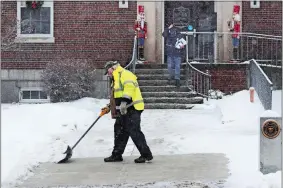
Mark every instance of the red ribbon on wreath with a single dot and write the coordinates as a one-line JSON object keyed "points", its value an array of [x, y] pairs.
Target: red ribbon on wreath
{"points": [[34, 4]]}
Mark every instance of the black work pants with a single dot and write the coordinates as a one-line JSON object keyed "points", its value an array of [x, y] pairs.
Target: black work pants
{"points": [[126, 126]]}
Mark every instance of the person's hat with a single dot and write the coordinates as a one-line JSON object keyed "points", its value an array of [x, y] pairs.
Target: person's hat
{"points": [[108, 65]]}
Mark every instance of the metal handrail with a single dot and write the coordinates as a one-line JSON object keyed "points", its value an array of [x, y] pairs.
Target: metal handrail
{"points": [[240, 33], [217, 47], [197, 80], [134, 57], [197, 69], [261, 83]]}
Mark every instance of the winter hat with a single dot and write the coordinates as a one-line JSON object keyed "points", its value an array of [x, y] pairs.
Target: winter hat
{"points": [[108, 65]]}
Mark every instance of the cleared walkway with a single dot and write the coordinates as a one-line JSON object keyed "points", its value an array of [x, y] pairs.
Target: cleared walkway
{"points": [[180, 170]]}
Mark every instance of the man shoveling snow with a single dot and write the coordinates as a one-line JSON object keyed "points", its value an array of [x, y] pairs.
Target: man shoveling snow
{"points": [[127, 102]]}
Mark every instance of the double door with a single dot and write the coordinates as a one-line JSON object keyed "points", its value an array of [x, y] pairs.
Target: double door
{"points": [[194, 17]]}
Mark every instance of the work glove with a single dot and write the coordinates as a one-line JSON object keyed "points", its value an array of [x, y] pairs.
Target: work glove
{"points": [[106, 109], [123, 108]]}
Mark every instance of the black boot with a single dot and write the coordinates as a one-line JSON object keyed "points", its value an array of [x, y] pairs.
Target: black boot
{"points": [[178, 83], [143, 159], [113, 158]]}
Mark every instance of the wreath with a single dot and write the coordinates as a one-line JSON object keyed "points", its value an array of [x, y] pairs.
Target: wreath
{"points": [[34, 4]]}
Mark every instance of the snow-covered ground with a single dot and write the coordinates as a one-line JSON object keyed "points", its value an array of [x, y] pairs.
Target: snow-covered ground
{"points": [[36, 133]]}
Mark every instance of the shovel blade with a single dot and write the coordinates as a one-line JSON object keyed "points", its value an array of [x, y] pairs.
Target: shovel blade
{"points": [[69, 153]]}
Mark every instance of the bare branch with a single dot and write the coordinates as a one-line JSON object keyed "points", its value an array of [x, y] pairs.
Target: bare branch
{"points": [[10, 32]]}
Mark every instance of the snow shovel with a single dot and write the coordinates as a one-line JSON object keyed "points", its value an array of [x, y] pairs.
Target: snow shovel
{"points": [[69, 151]]}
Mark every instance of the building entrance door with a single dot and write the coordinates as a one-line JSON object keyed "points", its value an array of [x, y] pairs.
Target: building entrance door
{"points": [[202, 18]]}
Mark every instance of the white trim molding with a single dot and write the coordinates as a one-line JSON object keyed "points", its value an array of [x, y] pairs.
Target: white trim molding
{"points": [[35, 38]]}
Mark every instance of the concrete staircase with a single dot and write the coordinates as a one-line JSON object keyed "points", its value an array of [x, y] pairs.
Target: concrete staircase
{"points": [[158, 94]]}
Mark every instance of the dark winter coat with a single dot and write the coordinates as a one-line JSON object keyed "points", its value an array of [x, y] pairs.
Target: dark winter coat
{"points": [[170, 36]]}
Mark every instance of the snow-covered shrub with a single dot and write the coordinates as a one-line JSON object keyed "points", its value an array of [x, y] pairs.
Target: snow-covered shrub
{"points": [[67, 80], [215, 94]]}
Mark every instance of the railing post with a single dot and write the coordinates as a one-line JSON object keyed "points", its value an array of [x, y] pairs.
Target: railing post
{"points": [[207, 85], [215, 46], [187, 49]]}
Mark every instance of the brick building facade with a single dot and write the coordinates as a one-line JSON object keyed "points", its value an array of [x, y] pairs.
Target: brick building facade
{"points": [[95, 31], [267, 19], [100, 31]]}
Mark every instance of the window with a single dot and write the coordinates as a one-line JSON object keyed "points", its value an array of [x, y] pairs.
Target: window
{"points": [[33, 95], [36, 24], [123, 3], [255, 4]]}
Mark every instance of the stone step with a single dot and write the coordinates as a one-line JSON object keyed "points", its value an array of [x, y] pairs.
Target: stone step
{"points": [[157, 83], [155, 71], [163, 88], [154, 66], [156, 77], [167, 106], [169, 94], [171, 100]]}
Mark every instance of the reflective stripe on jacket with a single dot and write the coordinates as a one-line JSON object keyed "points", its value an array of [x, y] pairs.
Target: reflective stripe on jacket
{"points": [[126, 86]]}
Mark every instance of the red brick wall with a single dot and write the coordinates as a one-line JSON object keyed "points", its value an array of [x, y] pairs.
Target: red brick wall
{"points": [[229, 80], [264, 20], [95, 31], [226, 77]]}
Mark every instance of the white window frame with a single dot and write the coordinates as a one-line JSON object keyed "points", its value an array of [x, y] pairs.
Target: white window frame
{"points": [[256, 5], [21, 100], [123, 4], [35, 38]]}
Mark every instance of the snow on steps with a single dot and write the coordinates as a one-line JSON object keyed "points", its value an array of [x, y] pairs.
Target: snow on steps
{"points": [[163, 88], [145, 77], [174, 100], [154, 71], [168, 106], [156, 82], [169, 94]]}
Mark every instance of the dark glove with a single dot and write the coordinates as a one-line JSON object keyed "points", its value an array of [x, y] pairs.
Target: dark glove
{"points": [[123, 108]]}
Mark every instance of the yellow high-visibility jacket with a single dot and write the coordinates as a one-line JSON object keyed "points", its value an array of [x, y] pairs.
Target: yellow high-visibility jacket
{"points": [[126, 86]]}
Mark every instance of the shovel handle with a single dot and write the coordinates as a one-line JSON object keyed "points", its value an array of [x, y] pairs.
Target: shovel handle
{"points": [[103, 112]]}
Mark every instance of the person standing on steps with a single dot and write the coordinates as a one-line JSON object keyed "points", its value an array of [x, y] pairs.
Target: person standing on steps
{"points": [[171, 35], [126, 99]]}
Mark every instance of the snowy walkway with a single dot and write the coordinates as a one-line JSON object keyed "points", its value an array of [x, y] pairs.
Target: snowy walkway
{"points": [[168, 168], [35, 134]]}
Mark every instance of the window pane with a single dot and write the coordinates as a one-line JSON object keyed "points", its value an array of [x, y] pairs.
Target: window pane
{"points": [[45, 28], [25, 13], [25, 20], [43, 95], [45, 14], [34, 94], [35, 15], [38, 21], [26, 94]]}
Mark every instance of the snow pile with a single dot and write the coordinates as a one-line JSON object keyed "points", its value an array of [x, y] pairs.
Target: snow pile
{"points": [[276, 101], [270, 113], [215, 94], [31, 133], [38, 133]]}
